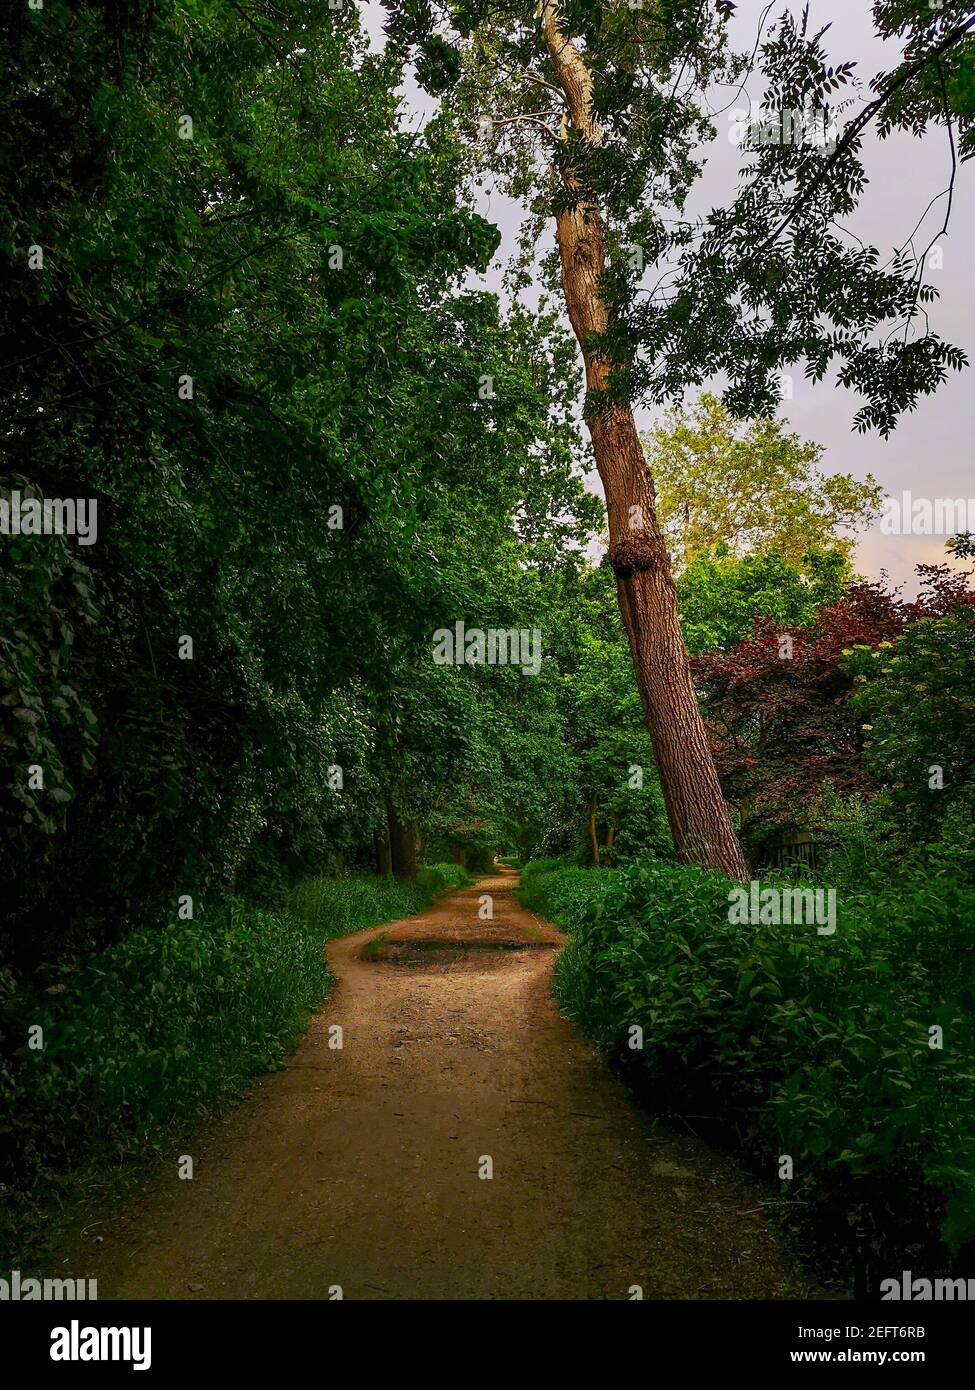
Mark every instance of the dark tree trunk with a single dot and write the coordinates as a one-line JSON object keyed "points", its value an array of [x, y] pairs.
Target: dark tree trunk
{"points": [[402, 841], [384, 853]]}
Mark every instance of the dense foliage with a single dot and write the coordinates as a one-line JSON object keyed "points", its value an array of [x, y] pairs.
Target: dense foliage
{"points": [[242, 344], [800, 1045]]}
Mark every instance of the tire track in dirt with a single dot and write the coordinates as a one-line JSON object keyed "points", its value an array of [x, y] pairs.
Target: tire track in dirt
{"points": [[359, 1167]]}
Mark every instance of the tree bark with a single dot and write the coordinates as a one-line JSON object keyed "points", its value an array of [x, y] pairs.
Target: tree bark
{"points": [[699, 820], [593, 838], [384, 852], [402, 842]]}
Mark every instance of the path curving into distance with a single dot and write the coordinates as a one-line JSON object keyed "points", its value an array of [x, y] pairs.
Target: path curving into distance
{"points": [[359, 1167]]}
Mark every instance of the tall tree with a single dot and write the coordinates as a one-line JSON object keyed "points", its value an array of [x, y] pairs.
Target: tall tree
{"points": [[647, 596], [595, 109]]}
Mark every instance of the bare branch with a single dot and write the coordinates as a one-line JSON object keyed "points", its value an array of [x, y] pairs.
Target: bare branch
{"points": [[531, 118]]}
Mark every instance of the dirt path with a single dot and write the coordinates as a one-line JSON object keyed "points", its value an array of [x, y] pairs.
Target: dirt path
{"points": [[359, 1167]]}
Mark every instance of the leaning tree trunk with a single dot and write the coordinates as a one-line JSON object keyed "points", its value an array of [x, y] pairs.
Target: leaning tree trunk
{"points": [[696, 809]]}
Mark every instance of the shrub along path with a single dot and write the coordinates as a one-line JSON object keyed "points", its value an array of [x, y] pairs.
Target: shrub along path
{"points": [[359, 1167]]}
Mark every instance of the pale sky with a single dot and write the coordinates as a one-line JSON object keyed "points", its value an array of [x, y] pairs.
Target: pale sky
{"points": [[930, 453]]}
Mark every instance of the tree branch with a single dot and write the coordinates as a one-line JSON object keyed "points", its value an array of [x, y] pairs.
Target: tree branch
{"points": [[897, 81], [531, 118]]}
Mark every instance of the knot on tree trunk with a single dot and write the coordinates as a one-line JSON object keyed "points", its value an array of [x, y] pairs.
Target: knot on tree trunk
{"points": [[633, 554]]}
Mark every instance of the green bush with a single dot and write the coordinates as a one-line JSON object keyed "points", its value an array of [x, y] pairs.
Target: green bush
{"points": [[562, 892], [336, 906], [436, 878], [147, 1034], [808, 1045], [915, 697]]}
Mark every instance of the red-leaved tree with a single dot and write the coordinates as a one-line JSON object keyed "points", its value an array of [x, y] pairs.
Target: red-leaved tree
{"points": [[777, 704]]}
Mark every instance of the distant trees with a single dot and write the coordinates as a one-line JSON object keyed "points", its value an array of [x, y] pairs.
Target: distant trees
{"points": [[750, 487], [721, 595]]}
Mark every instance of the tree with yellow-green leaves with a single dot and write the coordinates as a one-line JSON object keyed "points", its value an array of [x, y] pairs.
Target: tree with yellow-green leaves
{"points": [[753, 487]]}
